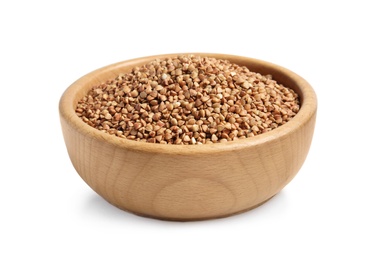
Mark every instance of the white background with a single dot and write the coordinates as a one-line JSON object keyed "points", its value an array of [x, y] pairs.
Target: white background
{"points": [[331, 210]]}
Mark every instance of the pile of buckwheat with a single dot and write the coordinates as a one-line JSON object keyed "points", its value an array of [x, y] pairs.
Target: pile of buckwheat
{"points": [[188, 100]]}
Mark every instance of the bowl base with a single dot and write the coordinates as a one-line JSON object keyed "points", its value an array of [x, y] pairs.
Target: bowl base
{"points": [[193, 219]]}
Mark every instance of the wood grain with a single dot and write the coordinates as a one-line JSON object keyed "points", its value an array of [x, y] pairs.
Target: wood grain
{"points": [[188, 182]]}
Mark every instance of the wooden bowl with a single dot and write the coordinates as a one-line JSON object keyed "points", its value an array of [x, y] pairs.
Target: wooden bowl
{"points": [[190, 182]]}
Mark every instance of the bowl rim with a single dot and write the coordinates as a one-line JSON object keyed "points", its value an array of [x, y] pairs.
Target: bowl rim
{"points": [[307, 110]]}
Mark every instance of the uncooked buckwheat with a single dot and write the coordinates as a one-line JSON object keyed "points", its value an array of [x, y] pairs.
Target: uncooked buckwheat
{"points": [[188, 100]]}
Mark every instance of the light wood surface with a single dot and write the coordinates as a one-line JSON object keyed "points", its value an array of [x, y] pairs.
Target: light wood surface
{"points": [[188, 182]]}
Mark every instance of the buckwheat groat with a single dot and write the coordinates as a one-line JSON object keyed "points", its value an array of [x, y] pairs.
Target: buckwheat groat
{"points": [[188, 100]]}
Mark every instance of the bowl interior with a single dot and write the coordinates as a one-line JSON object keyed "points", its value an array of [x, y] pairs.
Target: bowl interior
{"points": [[282, 75]]}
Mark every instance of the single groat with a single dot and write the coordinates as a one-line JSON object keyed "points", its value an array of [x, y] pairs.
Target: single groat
{"points": [[188, 99]]}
